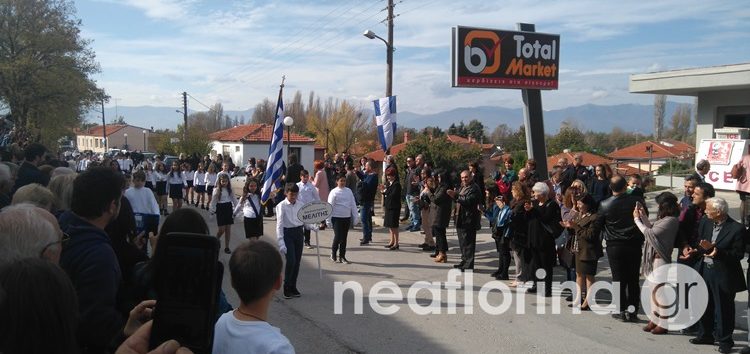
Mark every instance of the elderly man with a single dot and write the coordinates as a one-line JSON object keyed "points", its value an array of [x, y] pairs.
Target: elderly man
{"points": [[29, 231], [701, 170], [467, 219], [721, 246], [582, 172]]}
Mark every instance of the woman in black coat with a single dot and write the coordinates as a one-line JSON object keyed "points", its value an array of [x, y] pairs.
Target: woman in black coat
{"points": [[441, 216], [519, 233], [392, 204], [544, 219]]}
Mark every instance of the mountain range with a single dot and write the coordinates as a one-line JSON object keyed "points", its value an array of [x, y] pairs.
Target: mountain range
{"points": [[629, 117]]}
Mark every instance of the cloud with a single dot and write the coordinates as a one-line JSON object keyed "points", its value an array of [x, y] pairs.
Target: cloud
{"points": [[597, 94]]}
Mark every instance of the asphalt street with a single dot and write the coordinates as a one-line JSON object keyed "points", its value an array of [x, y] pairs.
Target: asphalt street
{"points": [[312, 326]]}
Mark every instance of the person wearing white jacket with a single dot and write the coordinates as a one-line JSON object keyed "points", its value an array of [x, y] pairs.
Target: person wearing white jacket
{"points": [[307, 193], [344, 211]]}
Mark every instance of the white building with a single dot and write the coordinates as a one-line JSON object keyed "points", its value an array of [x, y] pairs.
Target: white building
{"points": [[723, 114], [119, 136], [253, 140]]}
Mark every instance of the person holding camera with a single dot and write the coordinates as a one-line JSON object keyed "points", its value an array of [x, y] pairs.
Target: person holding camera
{"points": [[660, 240]]}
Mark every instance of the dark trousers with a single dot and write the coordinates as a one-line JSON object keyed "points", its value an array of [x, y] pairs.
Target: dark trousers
{"points": [[543, 257], [625, 263], [467, 241], [502, 245], [441, 242], [365, 214], [307, 236], [718, 319], [340, 233], [293, 242]]}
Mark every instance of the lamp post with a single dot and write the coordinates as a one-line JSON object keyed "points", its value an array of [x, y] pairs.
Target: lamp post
{"points": [[144, 141], [126, 140], [389, 55], [288, 121], [326, 140]]}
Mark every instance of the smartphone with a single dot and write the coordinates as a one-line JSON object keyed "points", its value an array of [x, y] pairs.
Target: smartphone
{"points": [[638, 205], [185, 279]]}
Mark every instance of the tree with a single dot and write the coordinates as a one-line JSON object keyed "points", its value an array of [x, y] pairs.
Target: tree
{"points": [[45, 69], [475, 130], [296, 110], [342, 123], [660, 102], [444, 154], [500, 134], [433, 131], [681, 123], [567, 138], [265, 112], [517, 141]]}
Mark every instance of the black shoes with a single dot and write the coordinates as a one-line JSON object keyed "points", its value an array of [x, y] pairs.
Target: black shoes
{"points": [[344, 260], [459, 265], [295, 292], [428, 248], [394, 247], [333, 258], [227, 251], [702, 341], [388, 245], [364, 243], [288, 293], [724, 349], [626, 316]]}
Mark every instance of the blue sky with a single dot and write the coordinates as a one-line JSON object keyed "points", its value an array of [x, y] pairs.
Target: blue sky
{"points": [[235, 52]]}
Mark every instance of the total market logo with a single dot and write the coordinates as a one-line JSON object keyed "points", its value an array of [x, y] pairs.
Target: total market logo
{"points": [[504, 59]]}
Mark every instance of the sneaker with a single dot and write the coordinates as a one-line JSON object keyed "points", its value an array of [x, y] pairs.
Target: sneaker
{"points": [[333, 258], [288, 293], [344, 260], [295, 292]]}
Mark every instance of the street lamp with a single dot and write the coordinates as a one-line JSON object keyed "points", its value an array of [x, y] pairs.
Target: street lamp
{"points": [[388, 59], [144, 140], [288, 121], [126, 140]]}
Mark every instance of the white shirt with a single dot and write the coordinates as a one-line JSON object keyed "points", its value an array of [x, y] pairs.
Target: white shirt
{"points": [[286, 217], [307, 192], [150, 176], [160, 177], [199, 178], [175, 178], [221, 196], [142, 200], [247, 207], [343, 203], [189, 175], [233, 336], [211, 179]]}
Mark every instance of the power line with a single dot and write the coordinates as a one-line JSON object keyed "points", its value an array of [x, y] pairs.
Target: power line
{"points": [[321, 45], [279, 50]]}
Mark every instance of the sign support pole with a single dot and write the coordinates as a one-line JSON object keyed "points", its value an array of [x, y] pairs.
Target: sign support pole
{"points": [[317, 249], [534, 121]]}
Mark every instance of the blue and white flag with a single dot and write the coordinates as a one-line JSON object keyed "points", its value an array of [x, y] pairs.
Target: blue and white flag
{"points": [[385, 117], [275, 166]]}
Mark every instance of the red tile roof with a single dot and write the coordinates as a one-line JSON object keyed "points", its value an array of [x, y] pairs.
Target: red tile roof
{"points": [[379, 155], [663, 149], [589, 159], [97, 130], [255, 133], [466, 141]]}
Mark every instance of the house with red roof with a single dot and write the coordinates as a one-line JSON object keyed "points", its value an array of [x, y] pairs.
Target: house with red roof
{"points": [[253, 140], [649, 155], [119, 136]]}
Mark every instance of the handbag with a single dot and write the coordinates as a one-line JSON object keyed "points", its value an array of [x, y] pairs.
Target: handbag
{"points": [[566, 257], [738, 170]]}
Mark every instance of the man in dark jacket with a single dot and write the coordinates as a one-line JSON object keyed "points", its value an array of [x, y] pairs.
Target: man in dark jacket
{"points": [[89, 259], [292, 175], [367, 187], [29, 173], [722, 246], [624, 241], [467, 219]]}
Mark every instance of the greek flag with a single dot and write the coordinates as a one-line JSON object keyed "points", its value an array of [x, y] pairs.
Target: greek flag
{"points": [[385, 116], [275, 166]]}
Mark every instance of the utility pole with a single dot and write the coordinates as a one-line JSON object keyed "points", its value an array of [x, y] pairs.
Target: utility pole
{"points": [[389, 56], [104, 128], [185, 116]]}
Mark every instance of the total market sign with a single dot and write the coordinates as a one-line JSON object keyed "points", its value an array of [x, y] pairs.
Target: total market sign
{"points": [[489, 58], [315, 212]]}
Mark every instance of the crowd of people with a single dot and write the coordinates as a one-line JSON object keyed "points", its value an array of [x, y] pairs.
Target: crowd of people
{"points": [[88, 231]]}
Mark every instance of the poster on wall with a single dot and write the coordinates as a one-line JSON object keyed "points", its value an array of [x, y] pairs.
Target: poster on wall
{"points": [[719, 152], [722, 154]]}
